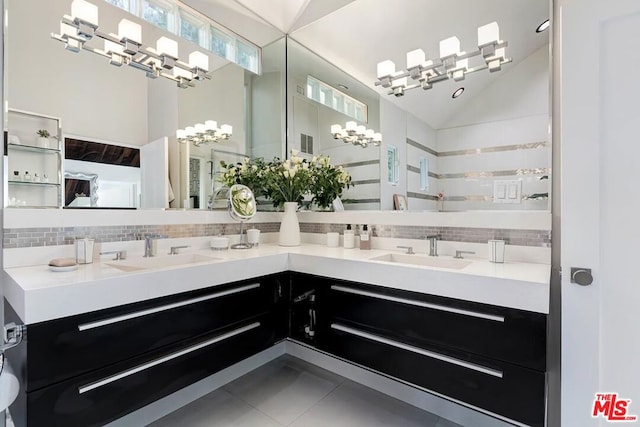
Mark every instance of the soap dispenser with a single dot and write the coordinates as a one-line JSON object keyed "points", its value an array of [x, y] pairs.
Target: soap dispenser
{"points": [[349, 238], [365, 238]]}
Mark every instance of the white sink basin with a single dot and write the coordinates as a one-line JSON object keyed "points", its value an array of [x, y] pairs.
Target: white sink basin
{"points": [[164, 261], [427, 261]]}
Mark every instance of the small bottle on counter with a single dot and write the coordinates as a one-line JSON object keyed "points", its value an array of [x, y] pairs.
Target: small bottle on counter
{"points": [[365, 238], [349, 238]]}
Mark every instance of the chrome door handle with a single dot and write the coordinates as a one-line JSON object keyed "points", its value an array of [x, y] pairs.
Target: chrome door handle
{"points": [[581, 276]]}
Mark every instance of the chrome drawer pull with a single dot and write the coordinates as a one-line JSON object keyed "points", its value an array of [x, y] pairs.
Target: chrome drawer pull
{"points": [[140, 368], [99, 323], [417, 350], [493, 317]]}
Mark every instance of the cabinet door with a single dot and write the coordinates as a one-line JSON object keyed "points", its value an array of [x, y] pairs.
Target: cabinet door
{"points": [[511, 391], [68, 347], [104, 395], [510, 335]]}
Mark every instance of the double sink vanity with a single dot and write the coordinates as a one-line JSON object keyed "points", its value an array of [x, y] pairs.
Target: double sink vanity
{"points": [[116, 335]]}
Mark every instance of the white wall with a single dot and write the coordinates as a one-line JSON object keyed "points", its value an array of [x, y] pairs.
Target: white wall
{"points": [[45, 78], [426, 136], [513, 110], [393, 126]]}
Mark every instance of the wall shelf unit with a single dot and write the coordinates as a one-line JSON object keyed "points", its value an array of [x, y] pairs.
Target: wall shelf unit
{"points": [[33, 165]]}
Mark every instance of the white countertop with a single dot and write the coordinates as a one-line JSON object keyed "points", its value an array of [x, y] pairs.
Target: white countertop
{"points": [[38, 294]]}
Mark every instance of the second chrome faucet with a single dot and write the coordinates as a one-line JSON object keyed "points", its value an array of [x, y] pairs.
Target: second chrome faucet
{"points": [[433, 244]]}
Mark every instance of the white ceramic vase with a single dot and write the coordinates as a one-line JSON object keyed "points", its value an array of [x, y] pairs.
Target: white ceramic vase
{"points": [[43, 142], [290, 227]]}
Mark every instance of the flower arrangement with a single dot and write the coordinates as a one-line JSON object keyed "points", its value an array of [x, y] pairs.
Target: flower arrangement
{"points": [[43, 133], [289, 180]]}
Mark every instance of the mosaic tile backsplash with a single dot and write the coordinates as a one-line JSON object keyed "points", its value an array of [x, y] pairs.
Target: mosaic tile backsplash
{"points": [[53, 236]]}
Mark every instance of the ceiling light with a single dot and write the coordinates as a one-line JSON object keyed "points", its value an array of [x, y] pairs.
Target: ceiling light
{"points": [[544, 26], [355, 134], [458, 92], [452, 63], [126, 48], [204, 133]]}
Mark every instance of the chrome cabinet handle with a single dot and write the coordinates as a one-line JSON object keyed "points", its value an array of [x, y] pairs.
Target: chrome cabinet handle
{"points": [[111, 320], [421, 351], [155, 362], [439, 307]]}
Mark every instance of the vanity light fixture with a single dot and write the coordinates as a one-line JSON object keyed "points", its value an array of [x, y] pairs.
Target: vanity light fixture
{"points": [[356, 134], [126, 48], [204, 133], [452, 64]]}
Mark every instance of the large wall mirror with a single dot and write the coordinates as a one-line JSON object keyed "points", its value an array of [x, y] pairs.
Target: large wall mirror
{"points": [[449, 153]]}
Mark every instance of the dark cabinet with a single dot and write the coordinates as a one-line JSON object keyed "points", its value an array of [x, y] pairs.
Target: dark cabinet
{"points": [[143, 351], [487, 356]]}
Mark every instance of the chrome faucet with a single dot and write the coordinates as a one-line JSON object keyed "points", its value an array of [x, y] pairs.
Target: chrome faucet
{"points": [[119, 254], [433, 244], [150, 244], [408, 248], [458, 254], [174, 249]]}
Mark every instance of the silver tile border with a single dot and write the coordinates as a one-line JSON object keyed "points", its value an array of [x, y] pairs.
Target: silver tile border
{"points": [[362, 163], [413, 169], [366, 181], [414, 195], [490, 174], [494, 149], [55, 236], [419, 146]]}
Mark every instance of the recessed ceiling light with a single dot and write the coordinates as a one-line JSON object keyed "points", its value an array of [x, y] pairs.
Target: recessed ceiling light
{"points": [[341, 86], [542, 27], [458, 92]]}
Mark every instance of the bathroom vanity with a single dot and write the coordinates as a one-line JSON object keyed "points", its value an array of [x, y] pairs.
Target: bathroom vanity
{"points": [[110, 338]]}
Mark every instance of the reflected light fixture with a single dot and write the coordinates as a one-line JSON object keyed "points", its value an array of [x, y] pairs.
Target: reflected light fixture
{"points": [[204, 133], [452, 64], [356, 134], [126, 48]]}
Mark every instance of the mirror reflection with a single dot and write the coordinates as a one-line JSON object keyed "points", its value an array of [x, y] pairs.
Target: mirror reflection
{"points": [[438, 152]]}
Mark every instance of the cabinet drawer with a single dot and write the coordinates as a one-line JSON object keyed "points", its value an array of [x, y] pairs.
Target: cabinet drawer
{"points": [[102, 396], [510, 335], [68, 347], [511, 391]]}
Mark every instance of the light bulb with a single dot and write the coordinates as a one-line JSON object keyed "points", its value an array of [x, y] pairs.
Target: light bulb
{"points": [[488, 34], [449, 47], [211, 125], [199, 60], [415, 58], [386, 68], [167, 46], [85, 11]]}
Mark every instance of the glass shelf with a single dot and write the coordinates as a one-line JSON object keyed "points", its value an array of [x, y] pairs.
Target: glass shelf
{"points": [[33, 149], [36, 184]]}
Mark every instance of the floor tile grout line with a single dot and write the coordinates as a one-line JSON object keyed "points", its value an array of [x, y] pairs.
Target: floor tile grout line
{"points": [[253, 407], [318, 402]]}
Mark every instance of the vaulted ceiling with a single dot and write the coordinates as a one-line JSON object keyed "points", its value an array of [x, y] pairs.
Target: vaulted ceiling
{"points": [[355, 35]]}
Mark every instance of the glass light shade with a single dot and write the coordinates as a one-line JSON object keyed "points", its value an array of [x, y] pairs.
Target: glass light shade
{"points": [[377, 137], [402, 82], [450, 46], [167, 46], [415, 58], [200, 127], [369, 133], [67, 30], [181, 134], [335, 129], [85, 11], [179, 72], [130, 30], [351, 126], [226, 129], [488, 34], [190, 131], [386, 68], [200, 60], [211, 125], [110, 46], [360, 130]]}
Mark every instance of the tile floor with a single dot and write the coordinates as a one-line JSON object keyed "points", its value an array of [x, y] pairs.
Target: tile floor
{"points": [[290, 392]]}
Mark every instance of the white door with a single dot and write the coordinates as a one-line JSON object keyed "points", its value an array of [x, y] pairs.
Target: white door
{"points": [[154, 171], [599, 84]]}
